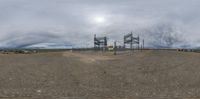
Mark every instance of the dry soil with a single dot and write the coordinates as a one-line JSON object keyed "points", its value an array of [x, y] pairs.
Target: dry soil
{"points": [[96, 75]]}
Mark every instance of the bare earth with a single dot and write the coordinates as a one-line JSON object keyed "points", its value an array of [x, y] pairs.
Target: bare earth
{"points": [[89, 75]]}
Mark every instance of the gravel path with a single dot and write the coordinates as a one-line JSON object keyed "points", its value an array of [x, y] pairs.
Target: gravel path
{"points": [[89, 75]]}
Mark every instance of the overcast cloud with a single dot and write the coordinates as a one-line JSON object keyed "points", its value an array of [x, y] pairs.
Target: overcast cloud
{"points": [[47, 23]]}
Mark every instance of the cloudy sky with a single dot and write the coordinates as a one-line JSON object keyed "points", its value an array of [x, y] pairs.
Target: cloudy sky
{"points": [[60, 23]]}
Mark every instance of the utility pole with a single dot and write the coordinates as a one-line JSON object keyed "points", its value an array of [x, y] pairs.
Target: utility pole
{"points": [[143, 43], [138, 42], [131, 44], [115, 48], [124, 43]]}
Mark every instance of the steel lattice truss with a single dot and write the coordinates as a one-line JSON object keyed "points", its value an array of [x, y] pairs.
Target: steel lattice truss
{"points": [[100, 42], [129, 39]]}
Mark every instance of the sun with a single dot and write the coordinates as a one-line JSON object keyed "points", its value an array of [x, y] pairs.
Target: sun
{"points": [[99, 19]]}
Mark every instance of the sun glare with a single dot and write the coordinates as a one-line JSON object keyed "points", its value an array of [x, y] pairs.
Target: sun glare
{"points": [[99, 19]]}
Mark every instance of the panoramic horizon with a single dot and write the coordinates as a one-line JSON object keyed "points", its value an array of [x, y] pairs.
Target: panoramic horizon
{"points": [[67, 23], [99, 49]]}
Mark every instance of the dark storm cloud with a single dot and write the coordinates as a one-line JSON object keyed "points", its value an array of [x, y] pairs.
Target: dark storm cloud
{"points": [[25, 23]]}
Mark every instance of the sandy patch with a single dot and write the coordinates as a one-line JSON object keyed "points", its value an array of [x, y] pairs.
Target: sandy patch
{"points": [[88, 58]]}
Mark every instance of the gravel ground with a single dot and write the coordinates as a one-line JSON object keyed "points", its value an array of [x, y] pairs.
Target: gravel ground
{"points": [[88, 75]]}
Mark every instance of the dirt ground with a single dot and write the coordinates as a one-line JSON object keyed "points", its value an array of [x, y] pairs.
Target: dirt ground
{"points": [[89, 75]]}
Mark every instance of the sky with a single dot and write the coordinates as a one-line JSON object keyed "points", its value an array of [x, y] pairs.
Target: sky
{"points": [[66, 23]]}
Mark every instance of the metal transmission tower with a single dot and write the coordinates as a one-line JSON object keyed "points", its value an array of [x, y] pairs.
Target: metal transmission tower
{"points": [[100, 43], [136, 40], [129, 39]]}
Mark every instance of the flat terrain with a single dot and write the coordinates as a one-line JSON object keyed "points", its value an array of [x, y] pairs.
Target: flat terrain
{"points": [[88, 75]]}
